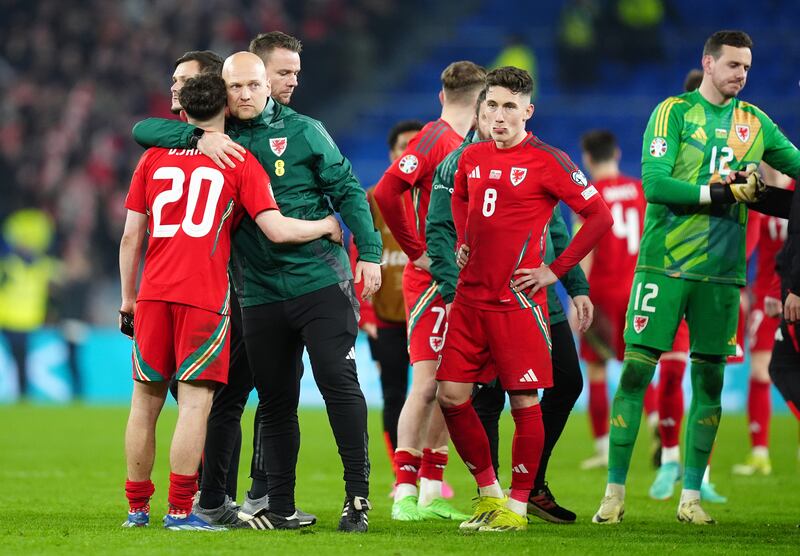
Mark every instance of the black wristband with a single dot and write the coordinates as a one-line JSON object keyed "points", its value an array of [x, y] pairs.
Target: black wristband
{"points": [[721, 194], [194, 138]]}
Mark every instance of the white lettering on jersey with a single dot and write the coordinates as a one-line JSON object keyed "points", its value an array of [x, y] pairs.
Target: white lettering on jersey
{"points": [[625, 192], [495, 174]]}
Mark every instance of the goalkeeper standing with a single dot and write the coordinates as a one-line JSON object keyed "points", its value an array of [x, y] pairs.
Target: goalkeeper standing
{"points": [[692, 256]]}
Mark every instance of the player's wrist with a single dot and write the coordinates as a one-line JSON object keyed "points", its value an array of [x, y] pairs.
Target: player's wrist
{"points": [[194, 138], [720, 194]]}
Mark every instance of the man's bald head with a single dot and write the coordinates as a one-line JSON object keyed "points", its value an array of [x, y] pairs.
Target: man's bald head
{"points": [[247, 84]]}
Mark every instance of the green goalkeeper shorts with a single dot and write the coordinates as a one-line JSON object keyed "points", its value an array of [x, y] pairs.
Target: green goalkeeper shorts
{"points": [[658, 303]]}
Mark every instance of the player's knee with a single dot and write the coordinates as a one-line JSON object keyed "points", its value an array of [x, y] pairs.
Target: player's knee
{"points": [[707, 375], [449, 397], [634, 380]]}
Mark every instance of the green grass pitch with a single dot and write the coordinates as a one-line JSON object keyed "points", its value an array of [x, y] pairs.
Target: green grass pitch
{"points": [[62, 471]]}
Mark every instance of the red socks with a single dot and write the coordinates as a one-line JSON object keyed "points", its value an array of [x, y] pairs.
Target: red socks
{"points": [[526, 450], [433, 464], [181, 492], [759, 408], [469, 438], [650, 400], [598, 408], [138, 494], [670, 401], [407, 466]]}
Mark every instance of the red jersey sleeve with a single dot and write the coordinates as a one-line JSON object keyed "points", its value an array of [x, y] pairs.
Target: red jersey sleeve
{"points": [[459, 203], [567, 183], [136, 200], [255, 192], [389, 196]]}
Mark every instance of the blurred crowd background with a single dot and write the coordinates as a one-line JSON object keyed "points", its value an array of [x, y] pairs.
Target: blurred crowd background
{"points": [[76, 75]]}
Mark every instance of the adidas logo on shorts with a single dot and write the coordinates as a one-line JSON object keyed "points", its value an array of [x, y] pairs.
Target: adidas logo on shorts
{"points": [[529, 376]]}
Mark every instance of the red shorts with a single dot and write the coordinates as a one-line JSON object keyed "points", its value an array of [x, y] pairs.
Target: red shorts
{"points": [[603, 340], [681, 341], [761, 328], [171, 338], [425, 315], [740, 334], [517, 342]]}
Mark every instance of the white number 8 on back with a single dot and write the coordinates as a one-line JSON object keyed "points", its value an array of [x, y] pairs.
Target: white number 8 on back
{"points": [[216, 181], [489, 202]]}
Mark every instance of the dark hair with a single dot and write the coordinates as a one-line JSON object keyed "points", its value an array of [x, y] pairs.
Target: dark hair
{"points": [[265, 43], [209, 61], [403, 127], [599, 144], [203, 96], [737, 39], [461, 80], [512, 78], [481, 98], [693, 80]]}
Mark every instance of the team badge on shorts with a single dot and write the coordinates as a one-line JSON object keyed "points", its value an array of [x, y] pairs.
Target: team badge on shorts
{"points": [[640, 322], [408, 164], [517, 175], [658, 147], [436, 343], [278, 145], [743, 132]]}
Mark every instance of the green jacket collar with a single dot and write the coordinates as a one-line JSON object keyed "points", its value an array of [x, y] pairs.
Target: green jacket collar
{"points": [[273, 112]]}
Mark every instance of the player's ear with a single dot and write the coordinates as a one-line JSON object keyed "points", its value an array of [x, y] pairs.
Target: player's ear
{"points": [[529, 111], [617, 154], [706, 62], [441, 97]]}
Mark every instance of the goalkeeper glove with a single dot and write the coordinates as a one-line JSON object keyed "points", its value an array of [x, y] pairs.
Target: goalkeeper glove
{"points": [[747, 187]]}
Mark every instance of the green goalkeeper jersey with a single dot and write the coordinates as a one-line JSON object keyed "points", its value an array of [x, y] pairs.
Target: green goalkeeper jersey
{"points": [[690, 142]]}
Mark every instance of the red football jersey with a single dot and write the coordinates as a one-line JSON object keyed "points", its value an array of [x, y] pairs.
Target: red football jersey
{"points": [[509, 196], [615, 255], [770, 241], [416, 167], [192, 206]]}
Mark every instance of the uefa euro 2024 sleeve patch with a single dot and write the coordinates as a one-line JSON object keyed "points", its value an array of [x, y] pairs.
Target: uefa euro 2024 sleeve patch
{"points": [[408, 164], [658, 147]]}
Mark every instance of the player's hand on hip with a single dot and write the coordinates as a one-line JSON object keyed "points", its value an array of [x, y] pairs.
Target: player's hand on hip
{"points": [[791, 308], [447, 308], [772, 307], [462, 255], [370, 273], [371, 329], [423, 262], [335, 233], [584, 310], [534, 278], [221, 149]]}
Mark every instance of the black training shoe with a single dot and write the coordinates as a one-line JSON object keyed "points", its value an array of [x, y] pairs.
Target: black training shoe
{"points": [[266, 520], [543, 505], [354, 515], [655, 449]]}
